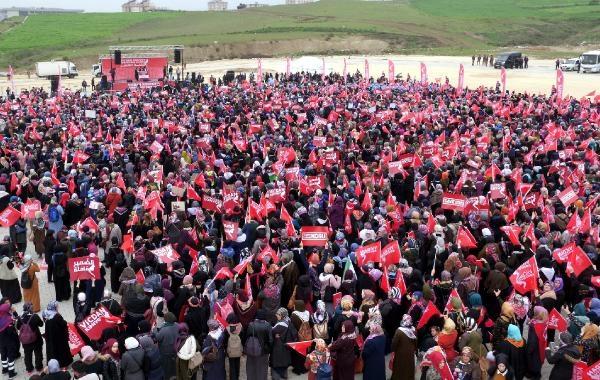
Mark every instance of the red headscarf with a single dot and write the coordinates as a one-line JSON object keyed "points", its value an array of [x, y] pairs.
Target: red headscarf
{"points": [[107, 349]]}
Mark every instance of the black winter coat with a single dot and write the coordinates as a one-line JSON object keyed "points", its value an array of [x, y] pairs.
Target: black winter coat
{"points": [[517, 358], [262, 330], [57, 341], [281, 356], [563, 360]]}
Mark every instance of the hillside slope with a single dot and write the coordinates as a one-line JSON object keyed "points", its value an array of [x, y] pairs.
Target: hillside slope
{"points": [[328, 26]]}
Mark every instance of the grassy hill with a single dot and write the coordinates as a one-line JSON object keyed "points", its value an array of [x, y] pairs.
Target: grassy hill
{"points": [[328, 26]]}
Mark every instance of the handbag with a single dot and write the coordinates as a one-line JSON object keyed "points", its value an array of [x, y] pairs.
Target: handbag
{"points": [[359, 365], [196, 361], [292, 301], [213, 354]]}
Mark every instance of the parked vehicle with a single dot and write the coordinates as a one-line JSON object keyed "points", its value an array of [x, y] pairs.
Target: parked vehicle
{"points": [[507, 60], [571, 64], [97, 70], [56, 68], [590, 61]]}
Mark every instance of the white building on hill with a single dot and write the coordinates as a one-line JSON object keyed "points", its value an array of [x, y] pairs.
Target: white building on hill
{"points": [[296, 2], [135, 6], [217, 5]]}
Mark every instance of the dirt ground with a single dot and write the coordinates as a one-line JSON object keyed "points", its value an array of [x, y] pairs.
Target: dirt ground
{"points": [[538, 79]]}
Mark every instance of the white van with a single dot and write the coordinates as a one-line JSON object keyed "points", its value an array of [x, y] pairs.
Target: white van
{"points": [[55, 69], [590, 61]]}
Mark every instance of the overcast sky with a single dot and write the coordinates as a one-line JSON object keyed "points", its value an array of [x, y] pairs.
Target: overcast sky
{"points": [[115, 5]]}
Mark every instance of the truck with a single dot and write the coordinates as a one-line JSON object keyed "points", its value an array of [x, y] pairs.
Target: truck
{"points": [[56, 68], [590, 61], [97, 70]]}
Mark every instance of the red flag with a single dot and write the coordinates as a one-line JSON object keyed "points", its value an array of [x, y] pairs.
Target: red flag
{"points": [[127, 245], [453, 294], [224, 272], [526, 276], [390, 254], [596, 281], [9, 216], [400, 282], [80, 157], [120, 182], [241, 267], [366, 203], [574, 223], [423, 73], [580, 369], [75, 341], [530, 235], [430, 311], [464, 238], [222, 322], [512, 232], [368, 253], [461, 78], [384, 283], [231, 230], [14, 182], [452, 201], [337, 298], [430, 224], [90, 223], [562, 255], [586, 222], [578, 261], [195, 267], [568, 196], [72, 185], [391, 71], [503, 79], [139, 277], [556, 321], [192, 194], [312, 236], [268, 251], [301, 347], [560, 80], [593, 371]]}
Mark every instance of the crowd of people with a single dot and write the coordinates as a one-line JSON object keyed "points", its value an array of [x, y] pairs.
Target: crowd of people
{"points": [[461, 226]]}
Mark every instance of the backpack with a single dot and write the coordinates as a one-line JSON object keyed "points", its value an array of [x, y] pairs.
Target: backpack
{"points": [[304, 332], [253, 347], [53, 215], [120, 259], [329, 292], [234, 346], [26, 333], [26, 281], [213, 353], [324, 370]]}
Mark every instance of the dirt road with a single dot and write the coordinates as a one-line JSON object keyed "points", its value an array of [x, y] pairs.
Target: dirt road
{"points": [[538, 79]]}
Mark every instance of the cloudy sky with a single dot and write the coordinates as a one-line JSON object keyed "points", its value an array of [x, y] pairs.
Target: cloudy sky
{"points": [[115, 5]]}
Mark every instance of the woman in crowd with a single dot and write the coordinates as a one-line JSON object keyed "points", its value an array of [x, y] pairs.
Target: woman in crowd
{"points": [[318, 361], [31, 338], [214, 349], [132, 361], [112, 360], [344, 350], [56, 334]]}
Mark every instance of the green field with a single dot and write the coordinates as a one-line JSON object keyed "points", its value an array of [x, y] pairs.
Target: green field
{"points": [[542, 27]]}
